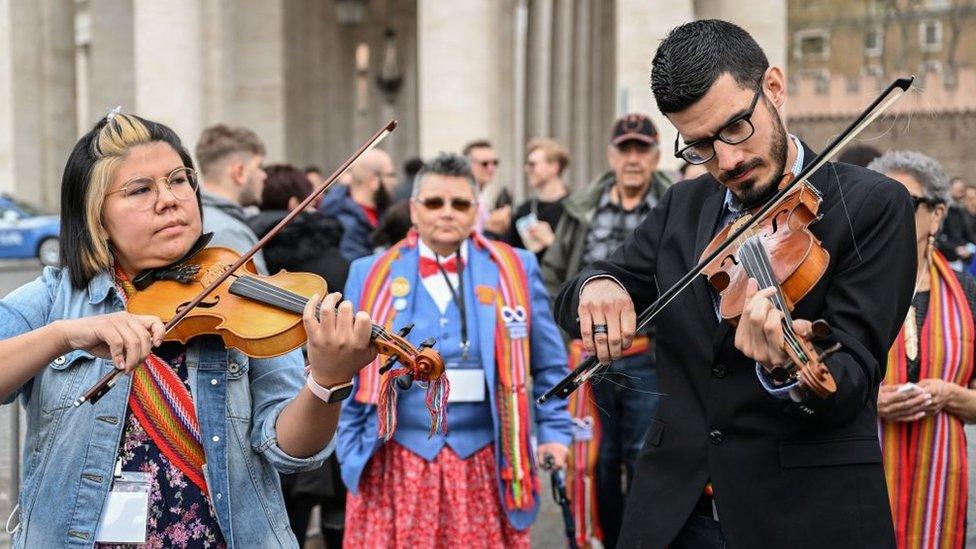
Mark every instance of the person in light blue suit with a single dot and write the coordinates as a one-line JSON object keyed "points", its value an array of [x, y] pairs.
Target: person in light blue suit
{"points": [[476, 484]]}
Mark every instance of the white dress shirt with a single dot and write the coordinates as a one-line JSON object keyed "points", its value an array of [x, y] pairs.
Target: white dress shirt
{"points": [[435, 284]]}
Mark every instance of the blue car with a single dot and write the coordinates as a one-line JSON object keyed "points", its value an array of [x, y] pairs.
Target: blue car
{"points": [[27, 232]]}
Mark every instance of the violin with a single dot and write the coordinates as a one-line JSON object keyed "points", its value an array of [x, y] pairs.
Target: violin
{"points": [[778, 251], [216, 291], [259, 315], [804, 353]]}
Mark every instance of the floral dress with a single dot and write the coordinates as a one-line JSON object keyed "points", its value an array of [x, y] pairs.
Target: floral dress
{"points": [[180, 515]]}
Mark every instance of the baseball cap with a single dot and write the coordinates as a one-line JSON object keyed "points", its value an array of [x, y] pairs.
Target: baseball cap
{"points": [[633, 127]]}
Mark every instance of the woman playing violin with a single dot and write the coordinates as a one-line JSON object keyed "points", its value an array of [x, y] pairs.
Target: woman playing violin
{"points": [[209, 427], [928, 390]]}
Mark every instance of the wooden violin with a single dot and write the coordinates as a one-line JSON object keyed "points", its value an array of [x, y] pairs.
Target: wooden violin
{"points": [[260, 315], [778, 251], [590, 366], [257, 314]]}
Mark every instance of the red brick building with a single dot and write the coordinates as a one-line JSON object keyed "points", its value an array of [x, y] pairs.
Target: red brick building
{"points": [[842, 53]]}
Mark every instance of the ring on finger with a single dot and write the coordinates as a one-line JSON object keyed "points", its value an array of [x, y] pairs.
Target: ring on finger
{"points": [[600, 329]]}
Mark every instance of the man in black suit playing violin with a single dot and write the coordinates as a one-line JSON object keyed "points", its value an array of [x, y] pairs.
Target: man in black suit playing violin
{"points": [[736, 457]]}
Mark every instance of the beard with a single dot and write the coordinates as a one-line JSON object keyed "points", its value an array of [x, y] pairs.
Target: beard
{"points": [[752, 193], [249, 195], [381, 199]]}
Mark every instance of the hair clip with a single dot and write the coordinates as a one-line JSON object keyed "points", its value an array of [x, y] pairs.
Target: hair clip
{"points": [[110, 115]]}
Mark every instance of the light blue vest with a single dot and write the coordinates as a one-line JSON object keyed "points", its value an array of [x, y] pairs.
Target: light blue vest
{"points": [[470, 426]]}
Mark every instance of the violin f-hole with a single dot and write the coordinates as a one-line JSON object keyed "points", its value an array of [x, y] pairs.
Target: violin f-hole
{"points": [[720, 281], [203, 304], [775, 224]]}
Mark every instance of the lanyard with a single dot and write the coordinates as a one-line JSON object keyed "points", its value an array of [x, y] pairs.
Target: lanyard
{"points": [[458, 297]]}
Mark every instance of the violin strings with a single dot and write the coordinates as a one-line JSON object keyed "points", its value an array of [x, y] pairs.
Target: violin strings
{"points": [[752, 261], [270, 294], [762, 270], [259, 289], [756, 263]]}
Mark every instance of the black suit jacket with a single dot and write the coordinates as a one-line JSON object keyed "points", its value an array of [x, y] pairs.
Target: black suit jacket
{"points": [[785, 474], [954, 233]]}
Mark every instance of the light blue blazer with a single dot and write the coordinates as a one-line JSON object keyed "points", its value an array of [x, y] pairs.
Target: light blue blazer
{"points": [[358, 425]]}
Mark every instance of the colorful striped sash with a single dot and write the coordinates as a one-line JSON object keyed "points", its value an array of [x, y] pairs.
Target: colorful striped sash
{"points": [[925, 460], [164, 408], [584, 451], [511, 362]]}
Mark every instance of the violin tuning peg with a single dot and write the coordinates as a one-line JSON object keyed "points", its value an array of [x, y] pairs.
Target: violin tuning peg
{"points": [[388, 364], [820, 329], [405, 382], [405, 330], [829, 351]]}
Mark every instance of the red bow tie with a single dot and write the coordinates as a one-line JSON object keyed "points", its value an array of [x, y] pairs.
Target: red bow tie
{"points": [[428, 266]]}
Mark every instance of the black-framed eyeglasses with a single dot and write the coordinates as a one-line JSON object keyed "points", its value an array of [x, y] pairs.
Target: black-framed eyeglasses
{"points": [[930, 203], [437, 202], [736, 131], [141, 193]]}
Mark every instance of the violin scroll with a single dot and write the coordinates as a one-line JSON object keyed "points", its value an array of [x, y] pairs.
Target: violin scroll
{"points": [[807, 364]]}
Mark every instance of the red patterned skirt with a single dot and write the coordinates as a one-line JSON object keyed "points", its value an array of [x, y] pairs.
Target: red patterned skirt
{"points": [[406, 501]]}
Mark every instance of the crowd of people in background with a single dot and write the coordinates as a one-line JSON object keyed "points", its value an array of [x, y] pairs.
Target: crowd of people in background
{"points": [[375, 210], [441, 247]]}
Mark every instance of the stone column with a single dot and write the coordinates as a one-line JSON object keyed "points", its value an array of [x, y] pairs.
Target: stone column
{"points": [[243, 75], [641, 25], [584, 87], [562, 70], [168, 57], [539, 76], [37, 108], [765, 20], [458, 66], [7, 167], [111, 58], [260, 69]]}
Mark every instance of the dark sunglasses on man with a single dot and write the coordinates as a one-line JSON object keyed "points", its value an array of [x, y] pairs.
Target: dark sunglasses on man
{"points": [[437, 202]]}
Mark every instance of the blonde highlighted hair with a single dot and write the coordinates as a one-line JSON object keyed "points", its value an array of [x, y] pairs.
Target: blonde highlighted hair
{"points": [[88, 174]]}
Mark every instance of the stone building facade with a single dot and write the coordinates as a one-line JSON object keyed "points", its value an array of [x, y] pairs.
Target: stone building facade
{"points": [[315, 77], [843, 52]]}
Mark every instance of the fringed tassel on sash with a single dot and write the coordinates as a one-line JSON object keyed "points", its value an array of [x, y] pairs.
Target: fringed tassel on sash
{"points": [[436, 399], [517, 468]]}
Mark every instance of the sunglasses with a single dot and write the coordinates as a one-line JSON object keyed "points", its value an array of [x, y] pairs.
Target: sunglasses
{"points": [[437, 202], [929, 202]]}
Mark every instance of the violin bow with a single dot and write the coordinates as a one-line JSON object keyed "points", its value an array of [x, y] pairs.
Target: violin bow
{"points": [[108, 381], [888, 97]]}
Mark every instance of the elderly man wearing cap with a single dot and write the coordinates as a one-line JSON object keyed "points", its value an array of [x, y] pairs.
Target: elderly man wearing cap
{"points": [[596, 221]]}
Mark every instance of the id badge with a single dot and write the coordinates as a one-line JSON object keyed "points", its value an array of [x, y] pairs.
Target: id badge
{"points": [[467, 382], [126, 511]]}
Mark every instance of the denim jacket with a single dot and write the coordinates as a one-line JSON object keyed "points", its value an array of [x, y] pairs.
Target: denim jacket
{"points": [[70, 453]]}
